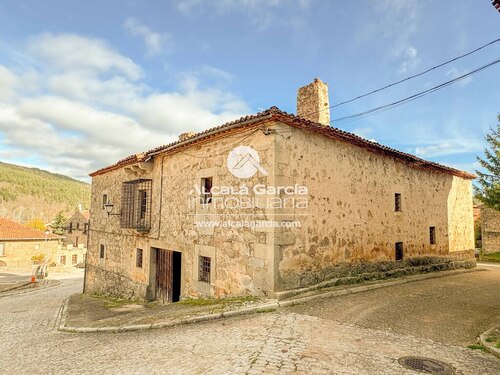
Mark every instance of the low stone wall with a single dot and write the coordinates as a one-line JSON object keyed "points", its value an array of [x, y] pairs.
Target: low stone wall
{"points": [[106, 283], [348, 273]]}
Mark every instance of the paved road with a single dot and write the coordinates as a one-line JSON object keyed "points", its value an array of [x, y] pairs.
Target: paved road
{"points": [[283, 342], [451, 310]]}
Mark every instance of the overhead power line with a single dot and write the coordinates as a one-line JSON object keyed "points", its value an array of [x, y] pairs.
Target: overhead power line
{"points": [[417, 95], [410, 77]]}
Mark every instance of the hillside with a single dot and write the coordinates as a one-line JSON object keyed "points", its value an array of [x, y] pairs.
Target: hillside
{"points": [[29, 193]]}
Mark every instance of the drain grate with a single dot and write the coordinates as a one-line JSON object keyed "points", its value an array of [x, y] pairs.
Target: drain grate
{"points": [[426, 365]]}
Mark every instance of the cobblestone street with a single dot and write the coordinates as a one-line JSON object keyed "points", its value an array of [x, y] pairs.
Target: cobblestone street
{"points": [[282, 342]]}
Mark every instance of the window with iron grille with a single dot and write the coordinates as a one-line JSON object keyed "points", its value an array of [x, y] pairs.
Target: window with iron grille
{"points": [[204, 269], [206, 190], [432, 235], [399, 251], [101, 252], [138, 258], [63, 260], [136, 205], [397, 202], [74, 259]]}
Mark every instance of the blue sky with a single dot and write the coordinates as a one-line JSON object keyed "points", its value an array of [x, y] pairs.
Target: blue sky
{"points": [[83, 84]]}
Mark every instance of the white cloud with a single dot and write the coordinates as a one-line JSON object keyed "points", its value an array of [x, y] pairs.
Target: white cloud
{"points": [[70, 52], [455, 73], [156, 43], [79, 116], [449, 147], [411, 60]]}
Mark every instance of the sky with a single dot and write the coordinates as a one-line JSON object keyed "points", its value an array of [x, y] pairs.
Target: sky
{"points": [[86, 83]]}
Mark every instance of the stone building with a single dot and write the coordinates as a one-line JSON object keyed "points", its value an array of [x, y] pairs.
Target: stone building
{"points": [[76, 229], [19, 243], [268, 203], [490, 230]]}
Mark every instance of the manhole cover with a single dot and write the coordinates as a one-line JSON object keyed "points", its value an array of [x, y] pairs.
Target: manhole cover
{"points": [[426, 365]]}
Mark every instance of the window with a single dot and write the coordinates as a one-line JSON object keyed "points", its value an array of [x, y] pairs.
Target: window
{"points": [[206, 190], [101, 252], [399, 251], [74, 259], [85, 228], [76, 242], [138, 258], [70, 227], [204, 269], [77, 226], [397, 202], [63, 260], [2, 249], [136, 205], [104, 201], [432, 235]]}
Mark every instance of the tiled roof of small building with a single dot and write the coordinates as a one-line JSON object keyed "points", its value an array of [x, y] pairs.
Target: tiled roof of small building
{"points": [[275, 114], [12, 230]]}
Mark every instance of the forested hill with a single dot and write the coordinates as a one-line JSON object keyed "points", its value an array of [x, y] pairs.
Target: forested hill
{"points": [[31, 193]]}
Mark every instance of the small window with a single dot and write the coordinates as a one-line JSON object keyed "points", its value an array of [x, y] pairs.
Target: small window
{"points": [[138, 258], [2, 249], [101, 252], [204, 269], [206, 190], [70, 227], [74, 259], [85, 228], [76, 242], [399, 251], [432, 235], [397, 202], [63, 260], [77, 226], [104, 201]]}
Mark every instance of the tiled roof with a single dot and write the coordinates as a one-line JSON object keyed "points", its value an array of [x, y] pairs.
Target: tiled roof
{"points": [[275, 114], [11, 230], [85, 214]]}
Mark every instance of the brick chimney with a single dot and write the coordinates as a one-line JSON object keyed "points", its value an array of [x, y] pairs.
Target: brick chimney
{"points": [[312, 102]]}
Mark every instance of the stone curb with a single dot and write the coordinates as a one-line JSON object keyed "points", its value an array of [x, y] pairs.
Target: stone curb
{"points": [[266, 307], [488, 345], [20, 285], [21, 290]]}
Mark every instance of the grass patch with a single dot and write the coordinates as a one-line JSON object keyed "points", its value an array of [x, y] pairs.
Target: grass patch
{"points": [[110, 303], [494, 257], [477, 347], [217, 301]]}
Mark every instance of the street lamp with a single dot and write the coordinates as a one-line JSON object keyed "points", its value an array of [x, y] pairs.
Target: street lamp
{"points": [[109, 209]]}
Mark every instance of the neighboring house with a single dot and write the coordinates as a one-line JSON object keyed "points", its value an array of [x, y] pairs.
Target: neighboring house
{"points": [[490, 230], [19, 243], [76, 229], [267, 203]]}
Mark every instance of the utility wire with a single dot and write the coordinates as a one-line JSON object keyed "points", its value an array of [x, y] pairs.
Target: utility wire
{"points": [[410, 77], [417, 95]]}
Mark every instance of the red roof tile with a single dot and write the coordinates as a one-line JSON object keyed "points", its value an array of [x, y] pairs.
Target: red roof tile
{"points": [[11, 230], [276, 114]]}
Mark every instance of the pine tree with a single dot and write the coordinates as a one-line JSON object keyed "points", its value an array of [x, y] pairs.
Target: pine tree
{"points": [[58, 224], [488, 189]]}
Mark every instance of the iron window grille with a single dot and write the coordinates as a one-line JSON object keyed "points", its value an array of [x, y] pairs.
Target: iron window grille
{"points": [[138, 258], [432, 235], [204, 269], [136, 205], [399, 251], [63, 260], [397, 202], [206, 190]]}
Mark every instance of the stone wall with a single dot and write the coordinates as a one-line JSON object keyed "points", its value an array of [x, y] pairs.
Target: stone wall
{"points": [[19, 253], [78, 234], [490, 230], [242, 258], [351, 216]]}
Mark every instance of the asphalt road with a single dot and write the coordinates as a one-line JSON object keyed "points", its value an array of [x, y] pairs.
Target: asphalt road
{"points": [[284, 342], [451, 310]]}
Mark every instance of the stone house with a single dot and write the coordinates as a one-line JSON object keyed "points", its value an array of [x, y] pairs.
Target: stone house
{"points": [[76, 229], [268, 203], [19, 243], [490, 230]]}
